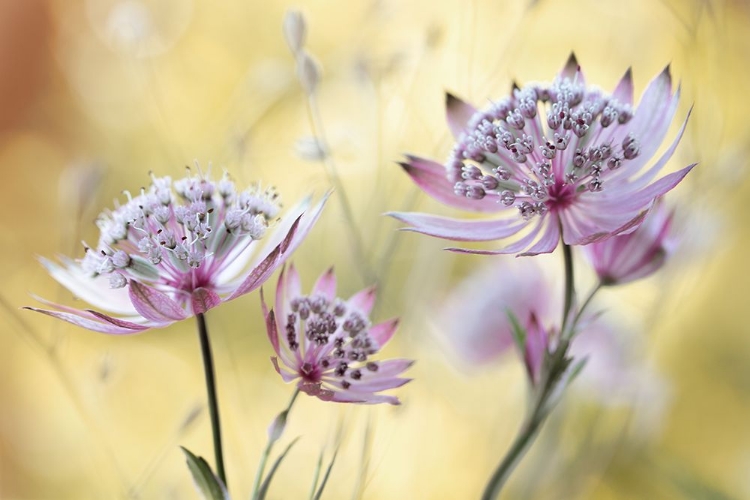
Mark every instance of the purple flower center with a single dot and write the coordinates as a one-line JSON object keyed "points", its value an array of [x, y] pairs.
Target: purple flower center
{"points": [[560, 196]]}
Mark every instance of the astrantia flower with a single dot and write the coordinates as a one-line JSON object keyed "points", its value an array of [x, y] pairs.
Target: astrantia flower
{"points": [[475, 323], [475, 314], [559, 157], [628, 257], [178, 249], [326, 343]]}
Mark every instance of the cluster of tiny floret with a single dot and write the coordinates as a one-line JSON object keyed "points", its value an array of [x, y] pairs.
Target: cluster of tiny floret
{"points": [[338, 334], [508, 153], [174, 230]]}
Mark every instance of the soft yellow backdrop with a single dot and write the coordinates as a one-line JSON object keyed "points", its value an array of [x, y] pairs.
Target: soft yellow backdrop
{"points": [[94, 94]]}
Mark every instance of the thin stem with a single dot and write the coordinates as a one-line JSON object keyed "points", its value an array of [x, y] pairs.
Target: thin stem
{"points": [[585, 304], [569, 285], [269, 446], [512, 458], [553, 369], [316, 124], [531, 426], [213, 403]]}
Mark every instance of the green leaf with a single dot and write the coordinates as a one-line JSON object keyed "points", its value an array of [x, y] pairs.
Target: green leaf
{"points": [[316, 476], [575, 371], [519, 334], [267, 482], [328, 473], [208, 485]]}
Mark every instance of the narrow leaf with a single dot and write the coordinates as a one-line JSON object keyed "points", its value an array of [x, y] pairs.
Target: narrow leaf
{"points": [[316, 476], [267, 482], [577, 368], [327, 474], [208, 485], [519, 334]]}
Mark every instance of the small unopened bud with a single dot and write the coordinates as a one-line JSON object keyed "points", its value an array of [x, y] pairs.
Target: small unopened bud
{"points": [[117, 280], [310, 148], [308, 72], [277, 427], [295, 30]]}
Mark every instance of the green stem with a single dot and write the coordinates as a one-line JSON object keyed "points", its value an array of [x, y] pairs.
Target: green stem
{"points": [[517, 450], [569, 285], [213, 403], [554, 367], [533, 423], [578, 315], [269, 447]]}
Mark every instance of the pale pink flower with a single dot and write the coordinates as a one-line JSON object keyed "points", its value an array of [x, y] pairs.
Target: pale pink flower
{"points": [[635, 255], [326, 343], [566, 159], [475, 321], [475, 315], [178, 249]]}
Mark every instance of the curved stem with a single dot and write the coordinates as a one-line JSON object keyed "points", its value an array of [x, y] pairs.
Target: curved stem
{"points": [[585, 304], [517, 450], [274, 435], [555, 365], [213, 403]]}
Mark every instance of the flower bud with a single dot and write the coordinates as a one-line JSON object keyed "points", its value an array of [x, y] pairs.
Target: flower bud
{"points": [[276, 429], [308, 72], [628, 257], [295, 30]]}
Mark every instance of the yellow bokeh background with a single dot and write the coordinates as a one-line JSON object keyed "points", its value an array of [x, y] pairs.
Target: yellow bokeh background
{"points": [[95, 94]]}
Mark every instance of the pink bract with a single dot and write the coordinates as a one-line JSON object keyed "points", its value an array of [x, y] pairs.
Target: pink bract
{"points": [[176, 250], [632, 256], [569, 160], [326, 343]]}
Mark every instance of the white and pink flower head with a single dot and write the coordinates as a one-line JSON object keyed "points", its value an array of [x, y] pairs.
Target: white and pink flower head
{"points": [[327, 343], [178, 249], [628, 257], [561, 159]]}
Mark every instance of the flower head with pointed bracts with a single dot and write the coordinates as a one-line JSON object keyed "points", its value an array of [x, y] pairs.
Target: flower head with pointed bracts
{"points": [[326, 343], [566, 160], [635, 255], [178, 249]]}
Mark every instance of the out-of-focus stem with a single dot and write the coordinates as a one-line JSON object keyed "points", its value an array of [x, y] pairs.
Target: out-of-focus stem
{"points": [[213, 403], [268, 448], [578, 315], [316, 124]]}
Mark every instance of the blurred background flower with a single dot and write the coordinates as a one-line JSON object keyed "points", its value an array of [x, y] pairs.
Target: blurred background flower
{"points": [[95, 94]]}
